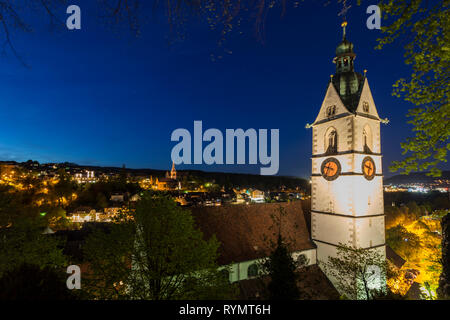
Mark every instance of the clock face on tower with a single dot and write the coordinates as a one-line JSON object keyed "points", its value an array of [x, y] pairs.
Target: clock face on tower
{"points": [[368, 168], [331, 168]]}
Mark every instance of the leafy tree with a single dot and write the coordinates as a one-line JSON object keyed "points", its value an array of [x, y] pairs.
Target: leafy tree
{"points": [[9, 205], [155, 253], [424, 25], [64, 187], [30, 282], [405, 243], [21, 238], [358, 273], [108, 253], [15, 206], [56, 218], [23, 242], [101, 200], [281, 268]]}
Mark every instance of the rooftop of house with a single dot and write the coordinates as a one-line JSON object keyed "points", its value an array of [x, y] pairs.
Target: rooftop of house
{"points": [[392, 256], [245, 231]]}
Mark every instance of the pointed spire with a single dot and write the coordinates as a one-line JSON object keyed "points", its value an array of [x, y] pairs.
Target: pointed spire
{"points": [[346, 81], [343, 25], [173, 172], [344, 53]]}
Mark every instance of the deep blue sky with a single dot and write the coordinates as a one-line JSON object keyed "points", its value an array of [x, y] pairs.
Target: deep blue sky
{"points": [[100, 97]]}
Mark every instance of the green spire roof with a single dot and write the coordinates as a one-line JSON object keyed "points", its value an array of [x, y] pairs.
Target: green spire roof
{"points": [[347, 82], [345, 48]]}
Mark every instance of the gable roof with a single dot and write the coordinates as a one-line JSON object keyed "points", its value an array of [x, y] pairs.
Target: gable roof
{"points": [[244, 230], [347, 104], [331, 98], [392, 256], [366, 96]]}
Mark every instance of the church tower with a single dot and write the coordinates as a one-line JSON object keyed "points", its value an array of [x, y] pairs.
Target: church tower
{"points": [[173, 172], [346, 182]]}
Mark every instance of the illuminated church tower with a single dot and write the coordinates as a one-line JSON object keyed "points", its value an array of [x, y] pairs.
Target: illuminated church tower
{"points": [[173, 172], [347, 182]]}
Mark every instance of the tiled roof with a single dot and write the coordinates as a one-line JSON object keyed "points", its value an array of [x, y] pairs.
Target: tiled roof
{"points": [[392, 256], [244, 230]]}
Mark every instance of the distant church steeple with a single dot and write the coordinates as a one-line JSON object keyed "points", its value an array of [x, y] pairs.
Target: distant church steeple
{"points": [[173, 172]]}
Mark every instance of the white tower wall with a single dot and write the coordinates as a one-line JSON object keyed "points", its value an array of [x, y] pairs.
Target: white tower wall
{"points": [[350, 209]]}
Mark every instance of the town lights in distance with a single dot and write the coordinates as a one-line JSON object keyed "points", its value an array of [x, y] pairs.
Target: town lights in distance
{"points": [[213, 153]]}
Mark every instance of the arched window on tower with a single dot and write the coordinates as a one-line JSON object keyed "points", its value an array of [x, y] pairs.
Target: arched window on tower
{"points": [[331, 140], [367, 139]]}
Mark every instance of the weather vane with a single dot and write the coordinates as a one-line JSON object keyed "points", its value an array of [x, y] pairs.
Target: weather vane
{"points": [[344, 10]]}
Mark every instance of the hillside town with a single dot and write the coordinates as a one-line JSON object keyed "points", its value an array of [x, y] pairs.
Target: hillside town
{"points": [[122, 188], [190, 151]]}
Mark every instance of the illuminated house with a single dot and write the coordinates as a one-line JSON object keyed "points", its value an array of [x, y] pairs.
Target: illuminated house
{"points": [[257, 196], [85, 176], [347, 182], [83, 214]]}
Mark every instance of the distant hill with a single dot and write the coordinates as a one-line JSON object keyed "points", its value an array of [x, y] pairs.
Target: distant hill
{"points": [[416, 177], [249, 180], [221, 178]]}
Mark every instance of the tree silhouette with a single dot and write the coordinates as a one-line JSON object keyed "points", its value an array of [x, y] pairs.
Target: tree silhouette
{"points": [[30, 282]]}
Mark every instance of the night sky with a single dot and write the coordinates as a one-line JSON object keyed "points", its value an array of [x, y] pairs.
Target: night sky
{"points": [[100, 96]]}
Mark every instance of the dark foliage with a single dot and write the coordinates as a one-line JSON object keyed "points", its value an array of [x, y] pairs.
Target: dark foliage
{"points": [[444, 280], [282, 270], [29, 282]]}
